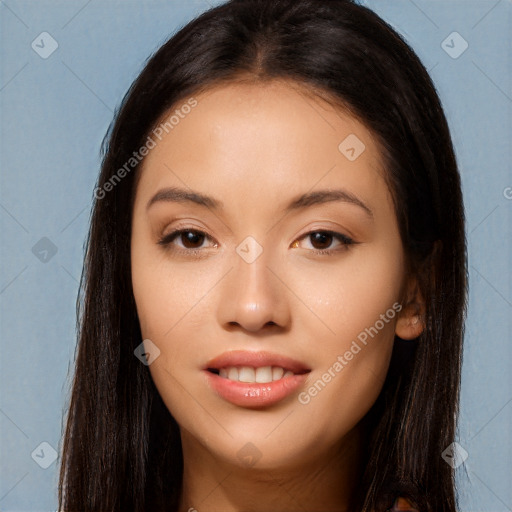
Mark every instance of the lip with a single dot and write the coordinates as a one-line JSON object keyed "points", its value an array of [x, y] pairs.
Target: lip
{"points": [[253, 394]]}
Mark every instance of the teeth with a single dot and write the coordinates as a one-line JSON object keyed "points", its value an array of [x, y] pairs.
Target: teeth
{"points": [[249, 374], [246, 374], [264, 374], [277, 373]]}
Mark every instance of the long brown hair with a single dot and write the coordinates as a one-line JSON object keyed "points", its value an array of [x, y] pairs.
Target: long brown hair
{"points": [[121, 447]]}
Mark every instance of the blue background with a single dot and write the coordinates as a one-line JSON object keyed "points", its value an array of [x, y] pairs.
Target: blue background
{"points": [[54, 114]]}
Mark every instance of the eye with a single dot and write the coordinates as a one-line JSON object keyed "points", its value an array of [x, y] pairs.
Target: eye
{"points": [[321, 241], [192, 240]]}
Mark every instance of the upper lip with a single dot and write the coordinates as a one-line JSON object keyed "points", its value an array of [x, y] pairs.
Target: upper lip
{"points": [[256, 360]]}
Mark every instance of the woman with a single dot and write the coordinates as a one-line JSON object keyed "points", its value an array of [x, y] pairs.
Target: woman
{"points": [[275, 280]]}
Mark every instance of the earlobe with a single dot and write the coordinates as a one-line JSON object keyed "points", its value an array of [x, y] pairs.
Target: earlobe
{"points": [[410, 323], [411, 319]]}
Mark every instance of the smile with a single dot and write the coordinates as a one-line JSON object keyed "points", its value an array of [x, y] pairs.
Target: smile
{"points": [[254, 379], [261, 375]]}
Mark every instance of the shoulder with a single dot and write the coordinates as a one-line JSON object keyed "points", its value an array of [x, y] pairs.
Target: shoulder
{"points": [[402, 505]]}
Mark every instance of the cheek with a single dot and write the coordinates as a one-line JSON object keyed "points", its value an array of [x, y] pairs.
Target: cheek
{"points": [[165, 293], [175, 310], [358, 305], [350, 295], [171, 306]]}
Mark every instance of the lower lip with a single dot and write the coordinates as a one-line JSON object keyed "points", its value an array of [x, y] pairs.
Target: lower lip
{"points": [[254, 394]]}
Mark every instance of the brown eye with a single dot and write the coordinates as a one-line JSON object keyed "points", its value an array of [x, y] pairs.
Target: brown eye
{"points": [[192, 239], [321, 239], [185, 239], [324, 241]]}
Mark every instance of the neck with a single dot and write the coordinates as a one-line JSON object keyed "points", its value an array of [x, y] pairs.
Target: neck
{"points": [[323, 482]]}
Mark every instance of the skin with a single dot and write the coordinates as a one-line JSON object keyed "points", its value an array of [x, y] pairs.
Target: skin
{"points": [[255, 147]]}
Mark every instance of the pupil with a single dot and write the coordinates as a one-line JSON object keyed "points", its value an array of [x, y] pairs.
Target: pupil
{"points": [[324, 239], [191, 239]]}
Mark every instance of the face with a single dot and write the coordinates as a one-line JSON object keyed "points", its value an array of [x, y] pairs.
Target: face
{"points": [[268, 270]]}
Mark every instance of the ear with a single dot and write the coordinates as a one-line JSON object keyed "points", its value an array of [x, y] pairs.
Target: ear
{"points": [[411, 318]]}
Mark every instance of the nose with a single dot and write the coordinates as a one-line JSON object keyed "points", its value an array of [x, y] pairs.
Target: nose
{"points": [[253, 298]]}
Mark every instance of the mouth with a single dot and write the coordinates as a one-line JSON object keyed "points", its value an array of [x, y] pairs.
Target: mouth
{"points": [[250, 374], [254, 379]]}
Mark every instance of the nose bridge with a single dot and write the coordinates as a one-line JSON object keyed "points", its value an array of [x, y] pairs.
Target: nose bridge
{"points": [[253, 297]]}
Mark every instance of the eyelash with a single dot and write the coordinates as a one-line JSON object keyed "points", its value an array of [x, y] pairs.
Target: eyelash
{"points": [[167, 240]]}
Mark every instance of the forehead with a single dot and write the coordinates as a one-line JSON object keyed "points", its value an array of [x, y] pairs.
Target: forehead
{"points": [[266, 138], [279, 113]]}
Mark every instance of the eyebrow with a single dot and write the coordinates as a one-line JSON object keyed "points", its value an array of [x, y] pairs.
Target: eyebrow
{"points": [[326, 196], [179, 195]]}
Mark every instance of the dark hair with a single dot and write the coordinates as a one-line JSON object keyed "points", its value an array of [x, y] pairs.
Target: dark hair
{"points": [[121, 447]]}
